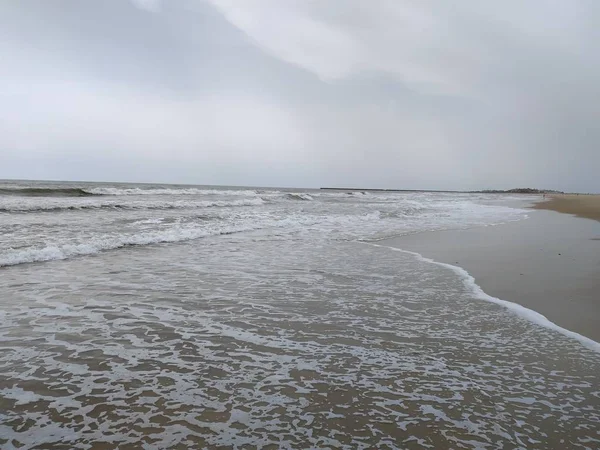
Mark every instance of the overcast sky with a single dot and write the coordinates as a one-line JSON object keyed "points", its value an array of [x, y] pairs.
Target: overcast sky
{"points": [[431, 94]]}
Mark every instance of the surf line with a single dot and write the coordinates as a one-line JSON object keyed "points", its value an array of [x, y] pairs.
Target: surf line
{"points": [[469, 282]]}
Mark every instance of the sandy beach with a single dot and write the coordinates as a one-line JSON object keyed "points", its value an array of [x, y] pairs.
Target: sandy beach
{"points": [[549, 262], [586, 206]]}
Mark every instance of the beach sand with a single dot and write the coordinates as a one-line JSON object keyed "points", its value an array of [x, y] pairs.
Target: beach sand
{"points": [[586, 206], [549, 263]]}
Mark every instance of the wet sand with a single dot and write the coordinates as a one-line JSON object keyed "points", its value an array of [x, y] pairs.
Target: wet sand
{"points": [[549, 263], [586, 206]]}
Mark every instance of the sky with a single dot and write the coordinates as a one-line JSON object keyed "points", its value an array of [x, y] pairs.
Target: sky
{"points": [[427, 94]]}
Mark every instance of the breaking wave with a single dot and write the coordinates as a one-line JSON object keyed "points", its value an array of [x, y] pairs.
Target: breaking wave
{"points": [[20, 207], [299, 196], [97, 244], [103, 243], [112, 191]]}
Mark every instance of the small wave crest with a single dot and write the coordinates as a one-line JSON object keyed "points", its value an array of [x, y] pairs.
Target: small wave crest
{"points": [[299, 196], [53, 207]]}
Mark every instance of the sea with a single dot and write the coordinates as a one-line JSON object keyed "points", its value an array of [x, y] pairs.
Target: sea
{"points": [[147, 316]]}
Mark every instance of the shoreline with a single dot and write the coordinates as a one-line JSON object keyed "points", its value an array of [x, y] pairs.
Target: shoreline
{"points": [[526, 313], [586, 206], [548, 263]]}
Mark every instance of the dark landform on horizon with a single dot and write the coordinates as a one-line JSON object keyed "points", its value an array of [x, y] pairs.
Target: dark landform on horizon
{"points": [[485, 191]]}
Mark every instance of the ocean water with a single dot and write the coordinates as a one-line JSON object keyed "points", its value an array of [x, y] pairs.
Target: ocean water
{"points": [[153, 316]]}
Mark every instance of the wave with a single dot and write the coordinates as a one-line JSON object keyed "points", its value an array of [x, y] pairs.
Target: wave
{"points": [[299, 196], [46, 192], [526, 313], [22, 208], [178, 233], [168, 191], [343, 194], [99, 244], [112, 191]]}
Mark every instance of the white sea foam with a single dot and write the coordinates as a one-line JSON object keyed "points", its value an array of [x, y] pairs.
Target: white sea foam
{"points": [[520, 310], [96, 245], [22, 396], [155, 221], [315, 219], [246, 342], [293, 223]]}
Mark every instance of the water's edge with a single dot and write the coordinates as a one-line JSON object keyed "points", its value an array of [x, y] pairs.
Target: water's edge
{"points": [[470, 282]]}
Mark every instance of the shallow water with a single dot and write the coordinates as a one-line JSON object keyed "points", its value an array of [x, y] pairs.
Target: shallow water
{"points": [[288, 333]]}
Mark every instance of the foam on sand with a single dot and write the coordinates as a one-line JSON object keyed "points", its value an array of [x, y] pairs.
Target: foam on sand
{"points": [[520, 310]]}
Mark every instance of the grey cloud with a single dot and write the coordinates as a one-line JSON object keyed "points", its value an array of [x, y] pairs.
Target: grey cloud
{"points": [[385, 94]]}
